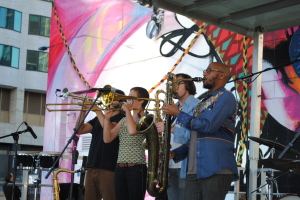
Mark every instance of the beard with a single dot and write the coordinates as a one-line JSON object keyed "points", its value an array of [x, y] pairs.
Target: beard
{"points": [[175, 96], [211, 83], [207, 85], [115, 106]]}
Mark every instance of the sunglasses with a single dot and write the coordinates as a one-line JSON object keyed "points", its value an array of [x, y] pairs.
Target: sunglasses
{"points": [[210, 70]]}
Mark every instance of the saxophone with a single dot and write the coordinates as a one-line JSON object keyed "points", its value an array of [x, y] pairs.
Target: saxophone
{"points": [[56, 188], [158, 143]]}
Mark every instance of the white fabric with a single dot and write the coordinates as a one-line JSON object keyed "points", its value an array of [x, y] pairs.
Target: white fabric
{"points": [[174, 145]]}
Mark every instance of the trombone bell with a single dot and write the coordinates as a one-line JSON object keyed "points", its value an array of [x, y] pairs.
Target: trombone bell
{"points": [[107, 98]]}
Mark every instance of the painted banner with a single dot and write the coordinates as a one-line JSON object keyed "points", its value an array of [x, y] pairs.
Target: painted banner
{"points": [[120, 43]]}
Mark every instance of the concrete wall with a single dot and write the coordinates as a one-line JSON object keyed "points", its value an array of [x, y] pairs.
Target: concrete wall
{"points": [[20, 80]]}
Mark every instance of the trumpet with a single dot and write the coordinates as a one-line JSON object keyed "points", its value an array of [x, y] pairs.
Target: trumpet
{"points": [[88, 104], [106, 99], [66, 94]]}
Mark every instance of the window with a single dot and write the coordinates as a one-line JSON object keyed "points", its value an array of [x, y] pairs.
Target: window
{"points": [[9, 56], [4, 104], [34, 108], [37, 61], [10, 19], [39, 25]]}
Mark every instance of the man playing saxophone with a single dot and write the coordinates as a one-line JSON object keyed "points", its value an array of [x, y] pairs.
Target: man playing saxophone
{"points": [[102, 158], [180, 135]]}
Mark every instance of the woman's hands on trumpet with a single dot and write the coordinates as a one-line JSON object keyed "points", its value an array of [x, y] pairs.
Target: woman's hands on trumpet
{"points": [[127, 106]]}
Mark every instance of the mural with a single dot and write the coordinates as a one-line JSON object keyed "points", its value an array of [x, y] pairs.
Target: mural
{"points": [[280, 96], [100, 42]]}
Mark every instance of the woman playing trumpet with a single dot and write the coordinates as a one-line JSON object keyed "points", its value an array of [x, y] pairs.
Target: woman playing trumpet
{"points": [[131, 170]]}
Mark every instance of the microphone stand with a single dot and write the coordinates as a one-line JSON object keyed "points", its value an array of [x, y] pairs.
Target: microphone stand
{"points": [[247, 79], [72, 138], [270, 181], [74, 162], [290, 144], [15, 135]]}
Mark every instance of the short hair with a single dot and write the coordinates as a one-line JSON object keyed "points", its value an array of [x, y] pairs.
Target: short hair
{"points": [[121, 93], [7, 177], [141, 93], [189, 85]]}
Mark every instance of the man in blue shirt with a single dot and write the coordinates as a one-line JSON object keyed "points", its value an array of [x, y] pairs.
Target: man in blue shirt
{"points": [[211, 162]]}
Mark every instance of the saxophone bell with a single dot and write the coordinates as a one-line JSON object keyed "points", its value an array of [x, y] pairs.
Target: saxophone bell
{"points": [[56, 188]]}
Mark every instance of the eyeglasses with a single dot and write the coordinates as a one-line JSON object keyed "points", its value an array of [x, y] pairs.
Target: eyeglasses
{"points": [[210, 70]]}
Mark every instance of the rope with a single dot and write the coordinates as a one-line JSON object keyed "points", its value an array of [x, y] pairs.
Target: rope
{"points": [[244, 105], [181, 57], [67, 46]]}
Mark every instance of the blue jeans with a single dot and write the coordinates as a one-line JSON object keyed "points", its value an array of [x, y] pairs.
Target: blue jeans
{"points": [[214, 187], [176, 185], [130, 182]]}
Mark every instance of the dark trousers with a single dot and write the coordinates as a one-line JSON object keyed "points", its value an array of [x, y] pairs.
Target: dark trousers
{"points": [[214, 187], [99, 183], [130, 182], [176, 185]]}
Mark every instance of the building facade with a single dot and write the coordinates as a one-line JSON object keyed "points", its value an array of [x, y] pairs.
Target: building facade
{"points": [[24, 27]]}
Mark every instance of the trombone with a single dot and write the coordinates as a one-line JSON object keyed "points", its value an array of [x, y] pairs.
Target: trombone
{"points": [[106, 99], [85, 104]]}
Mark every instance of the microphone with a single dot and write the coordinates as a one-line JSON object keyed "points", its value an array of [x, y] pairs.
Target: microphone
{"points": [[112, 89], [30, 130], [196, 79], [65, 90], [65, 93]]}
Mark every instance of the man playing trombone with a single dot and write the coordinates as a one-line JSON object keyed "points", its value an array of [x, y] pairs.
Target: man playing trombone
{"points": [[102, 158]]}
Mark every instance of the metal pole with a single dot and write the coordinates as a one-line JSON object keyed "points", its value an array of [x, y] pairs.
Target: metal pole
{"points": [[255, 113]]}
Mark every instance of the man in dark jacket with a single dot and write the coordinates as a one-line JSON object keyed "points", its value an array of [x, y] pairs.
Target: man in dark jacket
{"points": [[7, 188]]}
